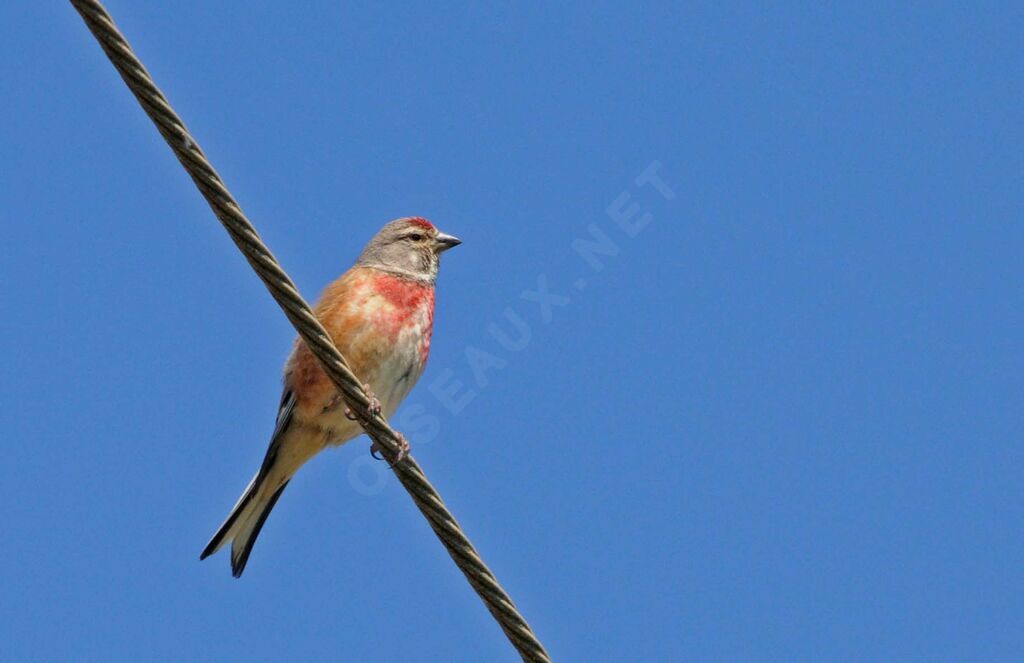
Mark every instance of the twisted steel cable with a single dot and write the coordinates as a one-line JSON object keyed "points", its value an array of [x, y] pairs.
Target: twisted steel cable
{"points": [[306, 323]]}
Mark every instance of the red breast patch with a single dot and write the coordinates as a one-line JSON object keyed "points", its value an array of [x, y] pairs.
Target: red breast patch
{"points": [[409, 299]]}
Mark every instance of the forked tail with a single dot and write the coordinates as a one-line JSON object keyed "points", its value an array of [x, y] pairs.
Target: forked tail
{"points": [[245, 522]]}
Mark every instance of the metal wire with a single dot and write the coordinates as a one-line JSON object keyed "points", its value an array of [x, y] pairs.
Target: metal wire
{"points": [[306, 323]]}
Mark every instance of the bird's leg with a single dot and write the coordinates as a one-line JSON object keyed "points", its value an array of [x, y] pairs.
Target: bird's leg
{"points": [[335, 401], [403, 450], [374, 407]]}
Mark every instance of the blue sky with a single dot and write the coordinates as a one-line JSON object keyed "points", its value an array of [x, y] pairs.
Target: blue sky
{"points": [[779, 419]]}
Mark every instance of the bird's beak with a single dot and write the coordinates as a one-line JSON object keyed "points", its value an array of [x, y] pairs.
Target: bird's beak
{"points": [[446, 241]]}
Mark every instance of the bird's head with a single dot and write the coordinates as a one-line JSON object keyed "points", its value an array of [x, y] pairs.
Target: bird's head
{"points": [[410, 246]]}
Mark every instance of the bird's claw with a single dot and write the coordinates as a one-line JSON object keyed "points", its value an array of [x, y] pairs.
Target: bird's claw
{"points": [[373, 408], [403, 450]]}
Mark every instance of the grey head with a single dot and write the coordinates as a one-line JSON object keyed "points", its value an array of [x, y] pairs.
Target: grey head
{"points": [[410, 247]]}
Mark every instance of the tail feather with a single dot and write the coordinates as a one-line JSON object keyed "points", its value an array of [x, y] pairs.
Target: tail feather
{"points": [[244, 523], [246, 519], [225, 532], [245, 538]]}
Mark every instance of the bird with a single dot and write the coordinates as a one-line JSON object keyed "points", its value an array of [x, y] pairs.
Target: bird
{"points": [[380, 315]]}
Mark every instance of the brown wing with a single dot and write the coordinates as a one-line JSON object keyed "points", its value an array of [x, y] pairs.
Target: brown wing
{"points": [[347, 310]]}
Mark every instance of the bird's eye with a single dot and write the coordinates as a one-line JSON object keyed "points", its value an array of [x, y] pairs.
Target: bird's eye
{"points": [[416, 237]]}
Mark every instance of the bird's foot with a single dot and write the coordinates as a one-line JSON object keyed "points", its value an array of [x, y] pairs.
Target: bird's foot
{"points": [[403, 450], [374, 408]]}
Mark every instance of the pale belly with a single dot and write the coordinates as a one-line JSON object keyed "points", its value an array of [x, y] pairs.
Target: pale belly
{"points": [[391, 382]]}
